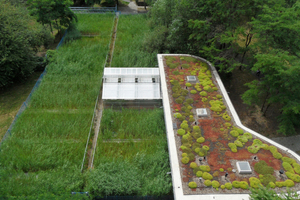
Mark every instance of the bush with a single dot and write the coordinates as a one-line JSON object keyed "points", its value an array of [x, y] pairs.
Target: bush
{"points": [[296, 167], [207, 183], [244, 185], [288, 167], [202, 152], [199, 173], [289, 183], [271, 185], [185, 66], [207, 176], [215, 184], [262, 168], [193, 92], [181, 131], [184, 155], [288, 160], [190, 100], [185, 160], [226, 117], [294, 177], [221, 170], [236, 184], [179, 100], [248, 135], [192, 185], [238, 143], [184, 125], [188, 85], [205, 168], [234, 133], [193, 165], [243, 139], [280, 184], [254, 182], [266, 179], [223, 187], [228, 186], [205, 147], [203, 93], [253, 149]]}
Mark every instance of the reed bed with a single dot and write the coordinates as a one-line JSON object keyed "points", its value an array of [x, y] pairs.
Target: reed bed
{"points": [[44, 153], [136, 160], [128, 50]]}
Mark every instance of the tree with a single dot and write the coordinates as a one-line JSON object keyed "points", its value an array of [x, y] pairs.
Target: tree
{"points": [[264, 193], [20, 36], [55, 13]]}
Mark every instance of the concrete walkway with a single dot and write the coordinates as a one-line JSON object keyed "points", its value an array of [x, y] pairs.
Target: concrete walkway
{"points": [[132, 8], [292, 142]]}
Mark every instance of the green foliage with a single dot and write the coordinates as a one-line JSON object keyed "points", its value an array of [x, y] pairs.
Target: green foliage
{"points": [[236, 184], [288, 167], [238, 143], [266, 179], [185, 160], [296, 167], [185, 66], [20, 38], [207, 176], [288, 160], [207, 183], [55, 13], [233, 147], [215, 184], [244, 185], [294, 177], [192, 185], [228, 186], [262, 168], [201, 140], [254, 182], [205, 168], [199, 173], [234, 133], [203, 93], [193, 165], [289, 183], [205, 147], [188, 84], [263, 193], [226, 117]]}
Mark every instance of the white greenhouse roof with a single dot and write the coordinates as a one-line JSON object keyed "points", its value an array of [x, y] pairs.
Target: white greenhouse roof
{"points": [[130, 72], [131, 83], [131, 91]]}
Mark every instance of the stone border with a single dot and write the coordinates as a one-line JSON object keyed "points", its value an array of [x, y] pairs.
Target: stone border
{"points": [[174, 161]]}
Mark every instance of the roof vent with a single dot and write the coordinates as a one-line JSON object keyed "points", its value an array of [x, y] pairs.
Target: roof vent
{"points": [[191, 79], [201, 112], [244, 167]]}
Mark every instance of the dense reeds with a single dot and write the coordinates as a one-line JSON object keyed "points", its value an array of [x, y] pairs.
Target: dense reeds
{"points": [[132, 148], [129, 50], [44, 153]]}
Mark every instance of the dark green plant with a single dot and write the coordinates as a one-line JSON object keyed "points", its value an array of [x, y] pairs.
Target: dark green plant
{"points": [[262, 168]]}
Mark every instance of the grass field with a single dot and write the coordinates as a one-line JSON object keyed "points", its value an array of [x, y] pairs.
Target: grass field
{"points": [[44, 153], [128, 50]]}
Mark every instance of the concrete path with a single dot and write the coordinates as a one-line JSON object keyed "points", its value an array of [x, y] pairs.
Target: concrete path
{"points": [[132, 8], [292, 142]]}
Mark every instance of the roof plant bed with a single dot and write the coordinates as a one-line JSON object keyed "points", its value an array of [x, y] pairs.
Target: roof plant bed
{"points": [[211, 145]]}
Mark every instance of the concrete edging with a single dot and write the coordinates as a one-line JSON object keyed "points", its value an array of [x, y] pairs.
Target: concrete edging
{"points": [[174, 161]]}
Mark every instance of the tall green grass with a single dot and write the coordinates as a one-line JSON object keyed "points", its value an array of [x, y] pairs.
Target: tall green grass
{"points": [[140, 165], [94, 24], [44, 153], [128, 50]]}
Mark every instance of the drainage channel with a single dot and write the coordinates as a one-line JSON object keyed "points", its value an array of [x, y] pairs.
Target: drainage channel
{"points": [[99, 109]]}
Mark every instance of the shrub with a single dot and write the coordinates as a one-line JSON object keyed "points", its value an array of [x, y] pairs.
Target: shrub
{"points": [[202, 152], [172, 65], [184, 125], [195, 146], [190, 100], [219, 96], [216, 174], [184, 92], [204, 94], [193, 165], [193, 92], [184, 155], [205, 147], [233, 147], [227, 124], [254, 182], [199, 173], [226, 117], [262, 168], [207, 176], [273, 149], [215, 184], [289, 183], [205, 168], [272, 185], [179, 100], [296, 167], [288, 160], [253, 149], [196, 129], [288, 167], [280, 184], [294, 177], [177, 115], [207, 183], [181, 131], [221, 170], [244, 185], [238, 143], [277, 155], [236, 184], [185, 160], [204, 99], [175, 72], [223, 187], [243, 139], [228, 186], [234, 133], [185, 66], [197, 150], [248, 135], [192, 185], [266, 179], [188, 85]]}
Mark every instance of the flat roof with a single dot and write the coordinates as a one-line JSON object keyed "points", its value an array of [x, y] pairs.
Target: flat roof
{"points": [[175, 163]]}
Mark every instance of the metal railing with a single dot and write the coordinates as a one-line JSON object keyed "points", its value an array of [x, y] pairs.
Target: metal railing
{"points": [[93, 10]]}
